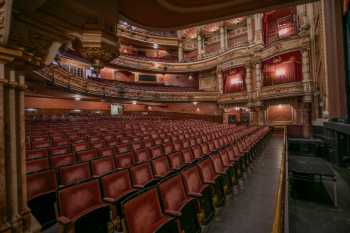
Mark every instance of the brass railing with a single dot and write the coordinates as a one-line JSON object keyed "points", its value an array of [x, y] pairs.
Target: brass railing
{"points": [[280, 224]]}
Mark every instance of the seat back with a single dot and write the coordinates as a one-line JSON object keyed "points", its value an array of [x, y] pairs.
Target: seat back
{"points": [[141, 174], [75, 201], [142, 155], [218, 164], [58, 150], [125, 160], [176, 160], [116, 184], [225, 158], [156, 151], [197, 151], [74, 173], [77, 147], [41, 183], [173, 193], [187, 156], [168, 148], [207, 171], [37, 165], [106, 152], [102, 166], [36, 154], [62, 160], [160, 166], [87, 155], [143, 213], [205, 148], [192, 179], [177, 145], [122, 148]]}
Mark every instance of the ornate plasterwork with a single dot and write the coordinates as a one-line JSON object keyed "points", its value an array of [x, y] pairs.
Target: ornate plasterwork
{"points": [[227, 59], [5, 20]]}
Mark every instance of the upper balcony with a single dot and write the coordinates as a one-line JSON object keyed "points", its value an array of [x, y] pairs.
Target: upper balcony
{"points": [[98, 87]]}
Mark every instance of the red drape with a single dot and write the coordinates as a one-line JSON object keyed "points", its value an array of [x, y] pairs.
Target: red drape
{"points": [[234, 80], [283, 69]]}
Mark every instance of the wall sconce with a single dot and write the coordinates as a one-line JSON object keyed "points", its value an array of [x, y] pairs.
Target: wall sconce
{"points": [[134, 102], [280, 72]]}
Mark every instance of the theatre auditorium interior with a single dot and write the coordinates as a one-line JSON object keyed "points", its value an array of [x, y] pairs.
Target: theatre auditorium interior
{"points": [[174, 116]]}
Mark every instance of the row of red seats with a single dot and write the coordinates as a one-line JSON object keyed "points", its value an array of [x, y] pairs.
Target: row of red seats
{"points": [[156, 168]]}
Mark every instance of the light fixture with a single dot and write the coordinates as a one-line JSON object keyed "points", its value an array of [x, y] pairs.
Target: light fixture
{"points": [[77, 97], [195, 103], [280, 106], [280, 72], [283, 32], [190, 77], [236, 81], [197, 109], [156, 65], [134, 102], [76, 110], [155, 46], [150, 108], [31, 109]]}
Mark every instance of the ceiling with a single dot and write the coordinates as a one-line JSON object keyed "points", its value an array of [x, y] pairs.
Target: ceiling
{"points": [[174, 14]]}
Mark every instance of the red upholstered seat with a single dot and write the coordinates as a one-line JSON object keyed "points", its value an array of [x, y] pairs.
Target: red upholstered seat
{"points": [[106, 152], [62, 160], [207, 171], [102, 166], [40, 144], [78, 200], [80, 146], [231, 154], [177, 145], [125, 160], [176, 160], [211, 146], [187, 156], [97, 145], [74, 173], [116, 185], [148, 143], [122, 148], [137, 146], [173, 195], [216, 143], [205, 148], [37, 165], [193, 141], [156, 151], [218, 164], [193, 181], [158, 141], [143, 213], [141, 175], [197, 151], [161, 166], [41, 183], [59, 150], [225, 158], [168, 148], [87, 155], [142, 155], [36, 154], [185, 143]]}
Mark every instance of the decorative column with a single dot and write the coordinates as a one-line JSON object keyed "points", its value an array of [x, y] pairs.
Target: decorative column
{"points": [[261, 115], [248, 81], [258, 77], [199, 46], [220, 80], [258, 22], [307, 83], [303, 21], [250, 30], [222, 37], [4, 224], [180, 52]]}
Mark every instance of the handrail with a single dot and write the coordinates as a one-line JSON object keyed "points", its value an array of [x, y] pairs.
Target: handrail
{"points": [[280, 224]]}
